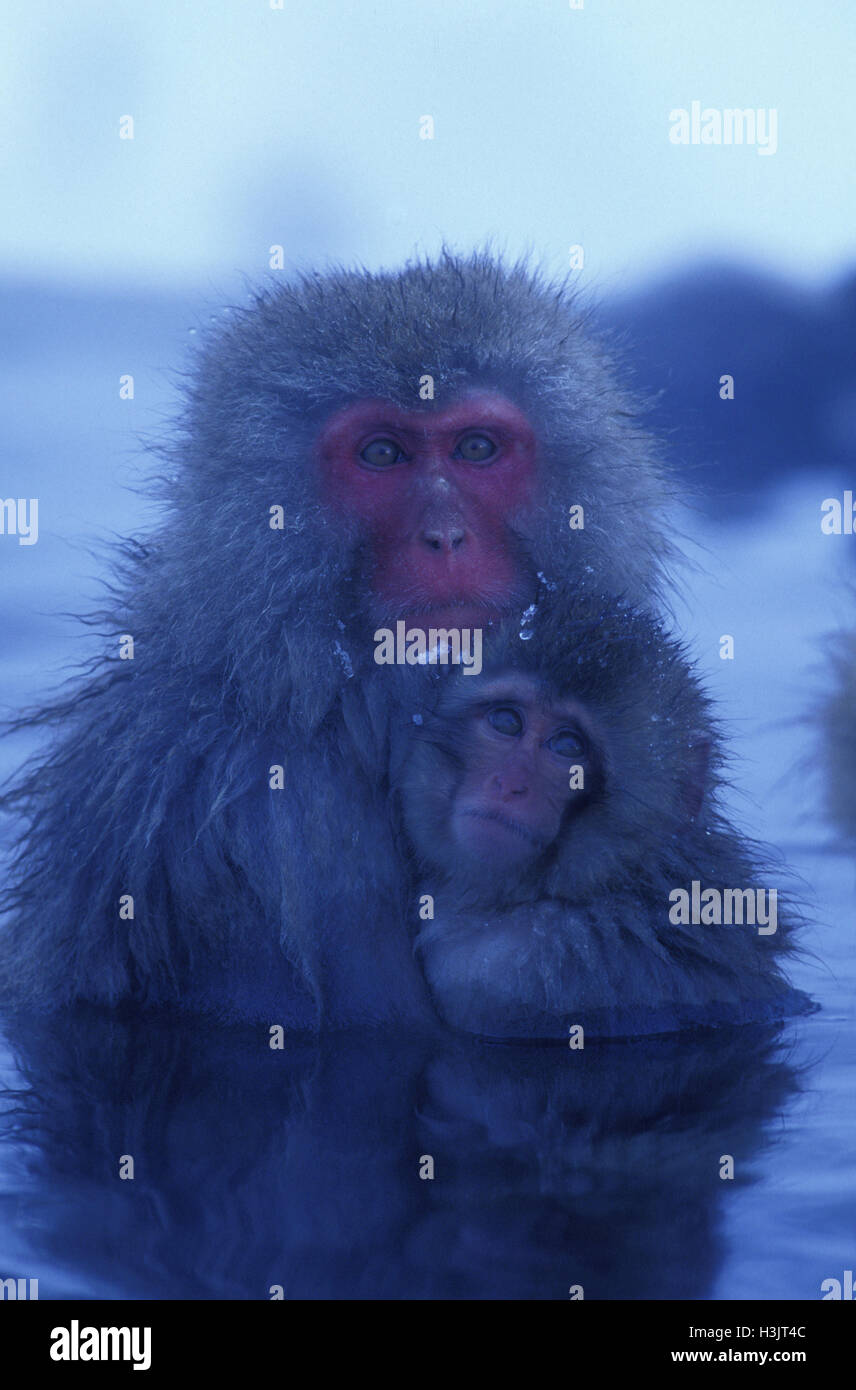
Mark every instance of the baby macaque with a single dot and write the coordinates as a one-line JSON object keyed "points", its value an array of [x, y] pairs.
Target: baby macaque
{"points": [[572, 864]]}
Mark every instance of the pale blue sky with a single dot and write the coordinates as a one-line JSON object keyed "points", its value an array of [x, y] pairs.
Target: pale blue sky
{"points": [[300, 126]]}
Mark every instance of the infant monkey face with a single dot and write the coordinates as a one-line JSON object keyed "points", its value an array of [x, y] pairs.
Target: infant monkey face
{"points": [[531, 766]]}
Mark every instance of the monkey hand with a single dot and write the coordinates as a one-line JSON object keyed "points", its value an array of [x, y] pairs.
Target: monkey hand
{"points": [[504, 975]]}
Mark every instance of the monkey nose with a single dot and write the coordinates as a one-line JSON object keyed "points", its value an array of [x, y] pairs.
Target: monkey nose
{"points": [[510, 785], [443, 539]]}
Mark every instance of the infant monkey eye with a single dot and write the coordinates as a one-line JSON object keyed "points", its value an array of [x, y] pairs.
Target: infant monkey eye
{"points": [[506, 720], [568, 743], [476, 448], [382, 453]]}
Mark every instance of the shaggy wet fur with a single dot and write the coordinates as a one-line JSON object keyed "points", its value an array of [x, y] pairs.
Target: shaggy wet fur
{"points": [[585, 933], [251, 650]]}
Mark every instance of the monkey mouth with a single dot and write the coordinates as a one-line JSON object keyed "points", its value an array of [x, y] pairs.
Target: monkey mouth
{"points": [[514, 827], [458, 606]]}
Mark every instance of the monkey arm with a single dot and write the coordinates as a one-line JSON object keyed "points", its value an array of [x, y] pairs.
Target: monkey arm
{"points": [[536, 970]]}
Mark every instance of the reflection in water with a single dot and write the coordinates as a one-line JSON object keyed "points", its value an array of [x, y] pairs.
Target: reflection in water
{"points": [[301, 1167]]}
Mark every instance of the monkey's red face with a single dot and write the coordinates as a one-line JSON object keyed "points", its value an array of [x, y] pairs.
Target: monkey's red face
{"points": [[530, 760], [436, 493]]}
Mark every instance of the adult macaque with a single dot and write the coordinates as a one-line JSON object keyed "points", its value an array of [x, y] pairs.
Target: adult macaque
{"points": [[209, 823], [561, 808], [356, 449]]}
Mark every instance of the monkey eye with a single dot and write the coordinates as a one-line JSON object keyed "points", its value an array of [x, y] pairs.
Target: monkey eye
{"points": [[567, 743], [382, 453], [506, 720], [476, 448]]}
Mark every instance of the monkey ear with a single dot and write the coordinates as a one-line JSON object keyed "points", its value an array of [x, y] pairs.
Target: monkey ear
{"points": [[697, 777]]}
